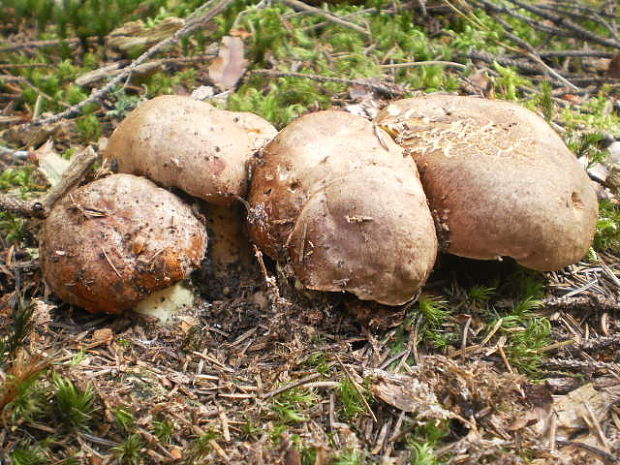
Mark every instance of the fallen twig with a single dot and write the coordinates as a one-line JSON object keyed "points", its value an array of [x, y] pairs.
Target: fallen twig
{"points": [[113, 69], [195, 21], [293, 385], [357, 388], [576, 53], [415, 64], [605, 456], [382, 88], [531, 53], [26, 65], [15, 154], [39, 44], [567, 24], [23, 80], [582, 366], [40, 207], [300, 6]]}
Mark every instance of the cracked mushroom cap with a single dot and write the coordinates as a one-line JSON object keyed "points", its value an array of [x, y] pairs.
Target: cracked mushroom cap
{"points": [[181, 142], [336, 197], [499, 180], [108, 245]]}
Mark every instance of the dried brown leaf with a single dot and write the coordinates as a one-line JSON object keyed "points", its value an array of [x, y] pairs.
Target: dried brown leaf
{"points": [[51, 165], [613, 70], [229, 66], [406, 393]]}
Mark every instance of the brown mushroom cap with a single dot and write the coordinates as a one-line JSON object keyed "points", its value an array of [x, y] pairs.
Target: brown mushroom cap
{"points": [[109, 244], [336, 196], [180, 142], [499, 180]]}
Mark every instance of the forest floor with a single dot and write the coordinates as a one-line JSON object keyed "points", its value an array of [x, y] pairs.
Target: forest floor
{"points": [[492, 364]]}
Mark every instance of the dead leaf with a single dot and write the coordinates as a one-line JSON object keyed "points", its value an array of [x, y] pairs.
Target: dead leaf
{"points": [[51, 165], [41, 314], [613, 70], [103, 335], [406, 393], [34, 136], [229, 66], [175, 453], [242, 33], [571, 408], [481, 81]]}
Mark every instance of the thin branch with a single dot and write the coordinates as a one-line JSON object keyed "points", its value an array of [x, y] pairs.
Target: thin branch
{"points": [[26, 82], [75, 172], [533, 54], [358, 388], [300, 6], [15, 154], [197, 20], [382, 88], [39, 44], [522, 66], [292, 385], [112, 69], [605, 456], [415, 64], [567, 24], [40, 207], [577, 53], [14, 205]]}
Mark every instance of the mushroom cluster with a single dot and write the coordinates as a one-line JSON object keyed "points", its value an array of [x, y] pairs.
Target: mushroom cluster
{"points": [[112, 243], [350, 205]]}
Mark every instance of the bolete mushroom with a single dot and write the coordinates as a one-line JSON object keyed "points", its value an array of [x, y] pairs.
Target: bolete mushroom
{"points": [[499, 180], [188, 144], [108, 245], [336, 197], [181, 142]]}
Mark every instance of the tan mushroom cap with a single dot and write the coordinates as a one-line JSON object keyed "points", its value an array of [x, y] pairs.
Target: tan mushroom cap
{"points": [[259, 130], [180, 142], [337, 197], [109, 244], [499, 180]]}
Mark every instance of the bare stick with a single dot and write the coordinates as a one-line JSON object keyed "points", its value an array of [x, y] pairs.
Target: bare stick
{"points": [[14, 205], [567, 24], [39, 44], [193, 23], [357, 388], [382, 88], [271, 282], [533, 54], [113, 69], [300, 6], [41, 206], [292, 385], [80, 164], [415, 64], [14, 154]]}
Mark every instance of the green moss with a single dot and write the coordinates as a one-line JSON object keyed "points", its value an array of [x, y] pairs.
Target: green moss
{"points": [[163, 429], [607, 238], [71, 405], [129, 452], [28, 454], [349, 457], [352, 402], [291, 405], [89, 128]]}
